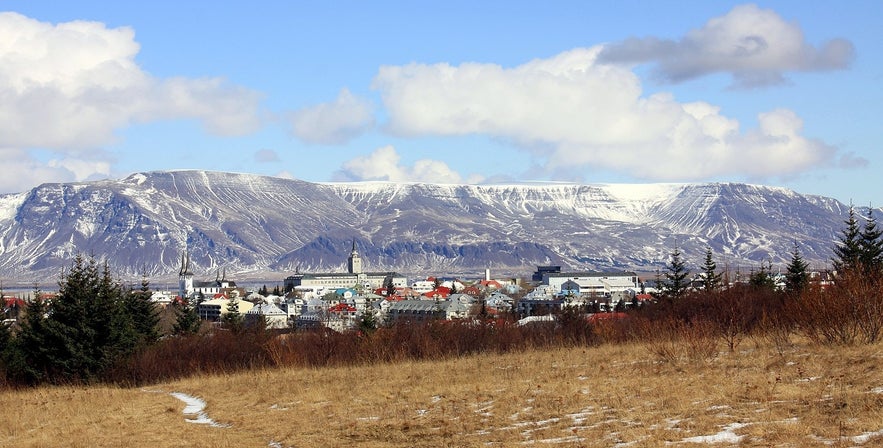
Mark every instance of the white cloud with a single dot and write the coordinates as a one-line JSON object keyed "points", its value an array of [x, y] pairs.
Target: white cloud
{"points": [[332, 123], [756, 46], [384, 164], [23, 172], [69, 87], [574, 113]]}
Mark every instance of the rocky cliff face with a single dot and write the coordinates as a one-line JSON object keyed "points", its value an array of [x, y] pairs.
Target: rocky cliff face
{"points": [[255, 225]]}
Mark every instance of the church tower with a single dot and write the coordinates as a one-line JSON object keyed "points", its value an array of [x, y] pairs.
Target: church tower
{"points": [[185, 277], [354, 262]]}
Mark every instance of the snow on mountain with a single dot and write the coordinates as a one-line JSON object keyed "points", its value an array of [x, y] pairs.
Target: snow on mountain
{"points": [[272, 226]]}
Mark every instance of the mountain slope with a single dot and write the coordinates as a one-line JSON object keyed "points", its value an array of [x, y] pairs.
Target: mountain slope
{"points": [[252, 225]]}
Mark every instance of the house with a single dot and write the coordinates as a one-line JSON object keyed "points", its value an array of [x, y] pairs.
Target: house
{"points": [[270, 314]]}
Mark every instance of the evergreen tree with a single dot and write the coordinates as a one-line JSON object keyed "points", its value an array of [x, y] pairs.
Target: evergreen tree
{"points": [[233, 319], [763, 278], [144, 314], [27, 356], [277, 291], [390, 287], [85, 330], [263, 291], [847, 251], [367, 321], [186, 320], [871, 246], [676, 278], [711, 279], [796, 277]]}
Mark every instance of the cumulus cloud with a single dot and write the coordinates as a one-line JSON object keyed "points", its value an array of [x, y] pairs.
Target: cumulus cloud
{"points": [[266, 156], [384, 164], [755, 46], [70, 86], [333, 123], [572, 112], [23, 171]]}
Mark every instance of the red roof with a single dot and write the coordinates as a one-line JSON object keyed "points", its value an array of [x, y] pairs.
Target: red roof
{"points": [[441, 291], [342, 308], [14, 301], [491, 284]]}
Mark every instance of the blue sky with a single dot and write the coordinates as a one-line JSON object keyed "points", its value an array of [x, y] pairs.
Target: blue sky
{"points": [[778, 93]]}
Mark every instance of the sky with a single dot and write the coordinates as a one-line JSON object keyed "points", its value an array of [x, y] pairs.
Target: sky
{"points": [[782, 93]]}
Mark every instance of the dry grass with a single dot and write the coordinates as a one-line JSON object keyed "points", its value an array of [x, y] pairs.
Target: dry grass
{"points": [[759, 395]]}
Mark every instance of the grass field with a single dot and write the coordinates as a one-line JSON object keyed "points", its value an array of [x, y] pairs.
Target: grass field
{"points": [[633, 395]]}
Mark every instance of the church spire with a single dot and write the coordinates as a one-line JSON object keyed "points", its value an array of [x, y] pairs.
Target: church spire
{"points": [[185, 264], [354, 262]]}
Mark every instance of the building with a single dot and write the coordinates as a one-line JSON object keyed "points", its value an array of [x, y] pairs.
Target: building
{"points": [[355, 277], [212, 310], [193, 290], [272, 316], [592, 283]]}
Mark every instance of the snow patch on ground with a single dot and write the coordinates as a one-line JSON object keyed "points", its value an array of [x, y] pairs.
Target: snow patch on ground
{"points": [[728, 435], [866, 437], [196, 407]]}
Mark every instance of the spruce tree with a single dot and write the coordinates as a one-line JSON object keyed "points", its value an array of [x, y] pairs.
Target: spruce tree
{"points": [[186, 320], [847, 251], [86, 329], [367, 321], [144, 314], [676, 278], [28, 356], [871, 246], [796, 277], [233, 319], [763, 277], [712, 279]]}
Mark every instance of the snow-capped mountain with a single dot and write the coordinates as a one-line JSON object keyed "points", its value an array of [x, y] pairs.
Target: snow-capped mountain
{"points": [[264, 226]]}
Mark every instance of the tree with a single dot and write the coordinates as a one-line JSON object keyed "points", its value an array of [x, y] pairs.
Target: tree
{"points": [[186, 319], [144, 314], [676, 277], [763, 278], [85, 330], [870, 245], [263, 291], [711, 279], [367, 321], [233, 319], [796, 276], [390, 287], [847, 251], [27, 354]]}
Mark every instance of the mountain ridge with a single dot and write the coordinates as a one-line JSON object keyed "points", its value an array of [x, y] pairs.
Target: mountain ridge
{"points": [[259, 225]]}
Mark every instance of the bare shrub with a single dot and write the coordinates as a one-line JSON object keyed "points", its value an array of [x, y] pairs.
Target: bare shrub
{"points": [[848, 312]]}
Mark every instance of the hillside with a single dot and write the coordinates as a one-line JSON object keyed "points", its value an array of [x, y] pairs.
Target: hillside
{"points": [[263, 226]]}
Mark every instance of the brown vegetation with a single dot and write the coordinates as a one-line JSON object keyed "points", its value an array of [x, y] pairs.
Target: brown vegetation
{"points": [[808, 395]]}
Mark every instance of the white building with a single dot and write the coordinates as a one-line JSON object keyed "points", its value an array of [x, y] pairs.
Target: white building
{"points": [[354, 278], [274, 317]]}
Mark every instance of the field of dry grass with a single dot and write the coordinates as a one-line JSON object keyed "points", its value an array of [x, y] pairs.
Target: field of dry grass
{"points": [[613, 395]]}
